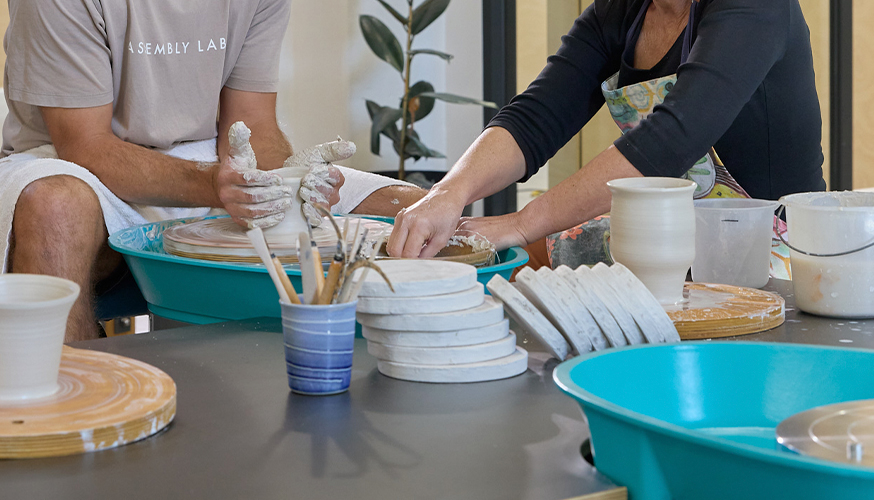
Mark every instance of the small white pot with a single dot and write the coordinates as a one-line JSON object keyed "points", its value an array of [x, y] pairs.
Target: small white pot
{"points": [[33, 320]]}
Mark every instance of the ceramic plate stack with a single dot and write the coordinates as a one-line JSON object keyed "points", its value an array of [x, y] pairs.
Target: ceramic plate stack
{"points": [[572, 312], [437, 326]]}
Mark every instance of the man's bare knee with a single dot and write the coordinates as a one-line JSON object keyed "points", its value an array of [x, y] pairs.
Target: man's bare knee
{"points": [[59, 204]]}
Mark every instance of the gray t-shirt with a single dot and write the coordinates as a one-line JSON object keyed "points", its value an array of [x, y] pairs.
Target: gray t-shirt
{"points": [[162, 63]]}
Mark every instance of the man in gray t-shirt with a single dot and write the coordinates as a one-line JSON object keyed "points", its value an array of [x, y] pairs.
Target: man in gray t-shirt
{"points": [[99, 91]]}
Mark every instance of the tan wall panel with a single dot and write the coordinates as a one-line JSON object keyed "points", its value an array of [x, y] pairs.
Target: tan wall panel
{"points": [[863, 73], [816, 13]]}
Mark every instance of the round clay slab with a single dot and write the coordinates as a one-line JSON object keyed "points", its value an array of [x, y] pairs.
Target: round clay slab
{"points": [[531, 319], [420, 305], [470, 336], [444, 355], [508, 366], [419, 278], [488, 313]]}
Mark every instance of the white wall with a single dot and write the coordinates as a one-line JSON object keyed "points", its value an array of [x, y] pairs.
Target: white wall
{"points": [[328, 71]]}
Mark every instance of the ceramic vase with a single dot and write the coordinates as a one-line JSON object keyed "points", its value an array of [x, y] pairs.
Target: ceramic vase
{"points": [[294, 222], [652, 232], [33, 321]]}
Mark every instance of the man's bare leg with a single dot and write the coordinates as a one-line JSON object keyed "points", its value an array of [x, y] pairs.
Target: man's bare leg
{"points": [[58, 230]]}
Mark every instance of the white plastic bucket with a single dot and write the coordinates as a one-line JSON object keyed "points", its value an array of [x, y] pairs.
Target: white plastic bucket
{"points": [[831, 246], [733, 241]]}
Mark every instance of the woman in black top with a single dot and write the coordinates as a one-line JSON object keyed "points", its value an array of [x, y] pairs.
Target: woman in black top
{"points": [[744, 85]]}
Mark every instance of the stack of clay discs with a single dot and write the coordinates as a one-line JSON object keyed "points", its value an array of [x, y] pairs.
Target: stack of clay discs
{"points": [[437, 325]]}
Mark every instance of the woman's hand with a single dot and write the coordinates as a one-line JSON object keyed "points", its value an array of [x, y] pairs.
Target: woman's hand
{"points": [[503, 231], [424, 228]]}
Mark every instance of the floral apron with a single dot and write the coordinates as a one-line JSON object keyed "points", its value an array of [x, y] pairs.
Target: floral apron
{"points": [[629, 106]]}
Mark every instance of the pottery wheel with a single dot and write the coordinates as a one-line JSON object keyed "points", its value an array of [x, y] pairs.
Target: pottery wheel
{"points": [[716, 311], [842, 432], [224, 240], [105, 401]]}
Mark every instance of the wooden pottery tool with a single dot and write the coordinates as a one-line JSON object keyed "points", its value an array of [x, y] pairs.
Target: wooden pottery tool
{"points": [[105, 401], [716, 311], [256, 236], [310, 270]]}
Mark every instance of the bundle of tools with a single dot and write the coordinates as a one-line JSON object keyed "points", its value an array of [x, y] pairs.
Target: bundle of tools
{"points": [[342, 283]]}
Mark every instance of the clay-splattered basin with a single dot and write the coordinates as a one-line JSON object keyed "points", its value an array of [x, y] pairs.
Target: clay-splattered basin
{"points": [[696, 420], [199, 291]]}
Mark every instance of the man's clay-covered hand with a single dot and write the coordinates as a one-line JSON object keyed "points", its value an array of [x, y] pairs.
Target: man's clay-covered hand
{"points": [[253, 198], [322, 184]]}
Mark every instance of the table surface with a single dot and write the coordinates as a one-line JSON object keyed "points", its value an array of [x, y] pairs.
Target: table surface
{"points": [[239, 432]]}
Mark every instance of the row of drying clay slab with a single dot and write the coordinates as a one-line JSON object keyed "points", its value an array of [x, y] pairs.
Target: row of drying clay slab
{"points": [[576, 311], [438, 325]]}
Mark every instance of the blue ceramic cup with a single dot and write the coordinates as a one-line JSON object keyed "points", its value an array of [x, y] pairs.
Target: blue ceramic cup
{"points": [[319, 341]]}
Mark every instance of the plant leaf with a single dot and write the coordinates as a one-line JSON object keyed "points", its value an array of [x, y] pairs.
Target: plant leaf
{"points": [[383, 119], [442, 55], [421, 149], [457, 99], [382, 42], [427, 13], [397, 15], [426, 104]]}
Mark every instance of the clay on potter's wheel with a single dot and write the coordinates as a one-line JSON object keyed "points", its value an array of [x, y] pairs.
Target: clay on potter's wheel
{"points": [[715, 311], [104, 401], [418, 278], [508, 366], [458, 337], [455, 355], [224, 240]]}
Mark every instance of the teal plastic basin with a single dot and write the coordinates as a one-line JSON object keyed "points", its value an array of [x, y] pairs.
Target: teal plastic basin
{"points": [[697, 420], [200, 292]]}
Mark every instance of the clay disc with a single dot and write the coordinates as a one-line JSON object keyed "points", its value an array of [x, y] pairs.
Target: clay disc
{"points": [[456, 355], [626, 278], [553, 304], [105, 401], [488, 313], [488, 333], [594, 282], [419, 278], [528, 317], [506, 367], [605, 320], [448, 302], [641, 314], [715, 311]]}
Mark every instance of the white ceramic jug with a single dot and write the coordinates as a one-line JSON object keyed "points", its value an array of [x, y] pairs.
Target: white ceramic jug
{"points": [[33, 321], [652, 232]]}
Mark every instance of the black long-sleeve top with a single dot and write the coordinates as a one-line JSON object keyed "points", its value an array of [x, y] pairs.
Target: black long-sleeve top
{"points": [[747, 89]]}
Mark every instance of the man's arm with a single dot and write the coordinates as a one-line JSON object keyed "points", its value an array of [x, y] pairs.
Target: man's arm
{"points": [[258, 111], [135, 174]]}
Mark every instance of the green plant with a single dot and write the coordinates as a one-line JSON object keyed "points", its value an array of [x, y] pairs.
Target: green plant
{"points": [[418, 99]]}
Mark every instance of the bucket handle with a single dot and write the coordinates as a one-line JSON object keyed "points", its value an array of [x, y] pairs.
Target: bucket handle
{"points": [[811, 254]]}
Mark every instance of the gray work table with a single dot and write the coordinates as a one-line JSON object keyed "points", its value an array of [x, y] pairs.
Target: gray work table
{"points": [[239, 432]]}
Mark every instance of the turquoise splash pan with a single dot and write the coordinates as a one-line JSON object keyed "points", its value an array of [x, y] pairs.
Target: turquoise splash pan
{"points": [[200, 292], [697, 420]]}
